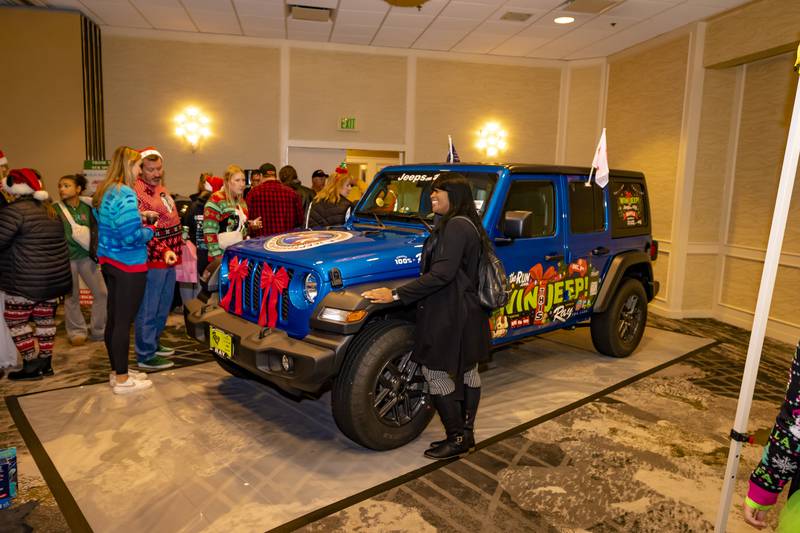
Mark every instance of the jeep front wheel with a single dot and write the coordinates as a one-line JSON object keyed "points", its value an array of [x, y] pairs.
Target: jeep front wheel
{"points": [[618, 330], [379, 399]]}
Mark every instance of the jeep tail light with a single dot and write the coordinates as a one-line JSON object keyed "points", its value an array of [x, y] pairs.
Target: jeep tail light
{"points": [[652, 248]]}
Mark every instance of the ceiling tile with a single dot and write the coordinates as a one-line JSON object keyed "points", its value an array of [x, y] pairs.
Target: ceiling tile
{"points": [[610, 24], [351, 38], [500, 27], [364, 5], [344, 29], [727, 4], [208, 5], [259, 8], [398, 37], [561, 48], [251, 23], [117, 13], [453, 24], [439, 39], [534, 4], [684, 14], [328, 4], [308, 26], [550, 32], [253, 29], [479, 43], [467, 10], [216, 21], [165, 18], [520, 46], [431, 8], [359, 18], [403, 20], [535, 14], [639, 9]]}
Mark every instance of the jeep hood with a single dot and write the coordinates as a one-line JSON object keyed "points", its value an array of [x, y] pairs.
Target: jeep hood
{"points": [[355, 253]]}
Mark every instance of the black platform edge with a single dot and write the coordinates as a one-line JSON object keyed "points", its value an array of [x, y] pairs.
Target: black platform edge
{"points": [[335, 507], [69, 507]]}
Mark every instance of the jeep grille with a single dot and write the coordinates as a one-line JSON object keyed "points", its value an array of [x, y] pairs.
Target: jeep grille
{"points": [[252, 294]]}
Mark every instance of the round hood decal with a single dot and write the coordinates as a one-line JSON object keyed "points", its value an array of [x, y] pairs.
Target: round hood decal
{"points": [[304, 240]]}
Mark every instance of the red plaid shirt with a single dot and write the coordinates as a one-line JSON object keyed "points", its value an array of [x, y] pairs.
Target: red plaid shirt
{"points": [[278, 206]]}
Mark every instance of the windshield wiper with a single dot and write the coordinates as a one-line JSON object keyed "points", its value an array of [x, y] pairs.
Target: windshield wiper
{"points": [[422, 219], [378, 219]]}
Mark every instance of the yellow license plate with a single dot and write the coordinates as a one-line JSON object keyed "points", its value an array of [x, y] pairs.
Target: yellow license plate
{"points": [[221, 343]]}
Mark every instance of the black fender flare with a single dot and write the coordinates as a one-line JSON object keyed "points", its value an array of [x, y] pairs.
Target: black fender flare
{"points": [[620, 266], [350, 299]]}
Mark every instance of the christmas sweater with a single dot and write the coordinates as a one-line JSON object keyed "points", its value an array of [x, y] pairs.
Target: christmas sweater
{"points": [[167, 234], [781, 455], [121, 238], [220, 215]]}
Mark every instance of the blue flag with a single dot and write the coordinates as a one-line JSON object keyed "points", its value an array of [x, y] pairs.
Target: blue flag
{"points": [[452, 155]]}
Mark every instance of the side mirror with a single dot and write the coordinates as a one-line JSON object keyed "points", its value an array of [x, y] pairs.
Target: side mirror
{"points": [[518, 224]]}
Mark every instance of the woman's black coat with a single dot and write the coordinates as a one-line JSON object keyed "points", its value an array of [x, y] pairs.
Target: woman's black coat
{"points": [[322, 213], [34, 261], [452, 327]]}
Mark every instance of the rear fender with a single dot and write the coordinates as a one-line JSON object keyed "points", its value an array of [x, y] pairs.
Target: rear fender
{"points": [[629, 264]]}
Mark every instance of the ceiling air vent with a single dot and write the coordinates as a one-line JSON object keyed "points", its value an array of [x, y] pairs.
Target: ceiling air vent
{"points": [[592, 7], [314, 14], [515, 16]]}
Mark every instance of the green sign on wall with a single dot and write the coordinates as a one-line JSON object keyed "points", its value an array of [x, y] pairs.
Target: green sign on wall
{"points": [[347, 123]]}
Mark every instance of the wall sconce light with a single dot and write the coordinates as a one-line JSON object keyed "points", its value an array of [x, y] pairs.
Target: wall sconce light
{"points": [[192, 126], [492, 139]]}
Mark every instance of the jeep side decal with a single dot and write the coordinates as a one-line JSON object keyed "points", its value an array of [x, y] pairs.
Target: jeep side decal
{"points": [[540, 297], [304, 240]]}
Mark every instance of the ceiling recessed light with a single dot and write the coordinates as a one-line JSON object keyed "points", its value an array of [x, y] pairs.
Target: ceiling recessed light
{"points": [[564, 20]]}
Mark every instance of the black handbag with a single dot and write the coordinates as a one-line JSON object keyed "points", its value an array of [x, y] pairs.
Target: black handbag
{"points": [[493, 286]]}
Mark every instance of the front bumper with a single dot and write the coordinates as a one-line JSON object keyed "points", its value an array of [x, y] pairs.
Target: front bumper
{"points": [[314, 359]]}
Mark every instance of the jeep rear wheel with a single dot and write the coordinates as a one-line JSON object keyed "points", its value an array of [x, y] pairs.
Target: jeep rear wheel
{"points": [[618, 330], [379, 398]]}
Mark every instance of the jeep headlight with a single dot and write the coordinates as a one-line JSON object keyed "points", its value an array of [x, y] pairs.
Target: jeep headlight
{"points": [[310, 289], [344, 316]]}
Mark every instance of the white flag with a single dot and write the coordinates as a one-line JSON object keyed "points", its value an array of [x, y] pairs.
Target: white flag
{"points": [[600, 161]]}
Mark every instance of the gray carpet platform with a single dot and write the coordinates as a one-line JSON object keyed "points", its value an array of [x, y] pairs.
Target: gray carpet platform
{"points": [[203, 451]]}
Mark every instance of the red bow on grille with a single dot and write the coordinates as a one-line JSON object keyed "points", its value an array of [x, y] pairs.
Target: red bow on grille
{"points": [[236, 273], [274, 283]]}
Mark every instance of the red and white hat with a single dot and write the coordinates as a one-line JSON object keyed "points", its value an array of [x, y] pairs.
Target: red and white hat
{"points": [[213, 183], [150, 151], [3, 158], [25, 182]]}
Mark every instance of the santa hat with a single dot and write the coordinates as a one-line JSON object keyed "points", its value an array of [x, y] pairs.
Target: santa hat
{"points": [[3, 158], [24, 182], [150, 151], [213, 183]]}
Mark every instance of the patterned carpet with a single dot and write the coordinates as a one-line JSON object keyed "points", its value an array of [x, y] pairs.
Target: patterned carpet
{"points": [[647, 457]]}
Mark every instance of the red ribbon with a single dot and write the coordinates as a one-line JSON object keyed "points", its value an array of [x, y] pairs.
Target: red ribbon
{"points": [[541, 279], [274, 283], [236, 273]]}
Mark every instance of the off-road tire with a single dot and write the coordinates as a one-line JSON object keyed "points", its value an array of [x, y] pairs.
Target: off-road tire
{"points": [[362, 390], [617, 331]]}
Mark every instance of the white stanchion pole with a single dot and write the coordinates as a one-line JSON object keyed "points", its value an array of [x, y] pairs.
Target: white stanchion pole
{"points": [[762, 310]]}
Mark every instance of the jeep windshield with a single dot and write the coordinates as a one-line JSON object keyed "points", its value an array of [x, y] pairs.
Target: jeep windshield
{"points": [[407, 194]]}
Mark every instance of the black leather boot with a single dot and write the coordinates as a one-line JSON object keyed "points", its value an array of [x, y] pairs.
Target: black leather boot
{"points": [[30, 371], [46, 366], [472, 397], [450, 412]]}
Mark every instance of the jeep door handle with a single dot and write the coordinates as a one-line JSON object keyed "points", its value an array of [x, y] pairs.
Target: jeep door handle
{"points": [[554, 257], [600, 250]]}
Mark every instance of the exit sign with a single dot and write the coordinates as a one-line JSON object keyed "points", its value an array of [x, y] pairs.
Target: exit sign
{"points": [[347, 124]]}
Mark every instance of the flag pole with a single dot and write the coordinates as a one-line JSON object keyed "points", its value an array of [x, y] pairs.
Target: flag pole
{"points": [[589, 181], [761, 316]]}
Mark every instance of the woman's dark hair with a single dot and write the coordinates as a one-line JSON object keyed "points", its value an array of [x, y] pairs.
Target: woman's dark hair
{"points": [[78, 179], [459, 195]]}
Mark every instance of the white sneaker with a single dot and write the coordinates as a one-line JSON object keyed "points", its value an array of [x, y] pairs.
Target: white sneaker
{"points": [[131, 386], [132, 374]]}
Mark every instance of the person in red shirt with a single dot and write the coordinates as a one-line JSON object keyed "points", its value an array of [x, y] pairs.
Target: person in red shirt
{"points": [[163, 254], [279, 207]]}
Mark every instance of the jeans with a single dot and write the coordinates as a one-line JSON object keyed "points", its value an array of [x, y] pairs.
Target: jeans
{"points": [[153, 311], [73, 317]]}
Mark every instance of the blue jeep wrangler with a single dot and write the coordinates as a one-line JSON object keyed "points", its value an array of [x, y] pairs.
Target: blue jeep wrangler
{"points": [[287, 309]]}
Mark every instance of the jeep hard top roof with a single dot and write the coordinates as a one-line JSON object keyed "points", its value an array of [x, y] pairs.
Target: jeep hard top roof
{"points": [[528, 168]]}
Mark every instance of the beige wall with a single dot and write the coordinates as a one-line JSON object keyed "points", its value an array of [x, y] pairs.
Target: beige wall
{"points": [[754, 31], [148, 82], [325, 86], [585, 93], [716, 122], [700, 282], [42, 119], [643, 117], [458, 98]]}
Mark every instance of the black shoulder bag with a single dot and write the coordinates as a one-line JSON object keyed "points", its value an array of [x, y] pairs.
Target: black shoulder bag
{"points": [[493, 286]]}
